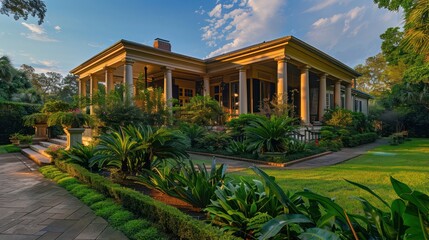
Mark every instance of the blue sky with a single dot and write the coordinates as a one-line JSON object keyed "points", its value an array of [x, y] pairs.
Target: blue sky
{"points": [[76, 30]]}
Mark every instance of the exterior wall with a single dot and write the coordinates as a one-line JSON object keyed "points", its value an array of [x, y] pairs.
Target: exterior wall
{"points": [[360, 105]]}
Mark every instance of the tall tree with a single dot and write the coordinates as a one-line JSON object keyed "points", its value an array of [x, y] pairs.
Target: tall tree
{"points": [[416, 28], [69, 88], [24, 8], [377, 76]]}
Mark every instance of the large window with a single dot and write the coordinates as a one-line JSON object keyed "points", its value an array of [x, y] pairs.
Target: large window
{"points": [[358, 105], [185, 95]]}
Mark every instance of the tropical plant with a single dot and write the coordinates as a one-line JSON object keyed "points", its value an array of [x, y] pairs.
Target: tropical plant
{"points": [[82, 155], [201, 110], [133, 148], [214, 140], [237, 147], [53, 106], [35, 118], [116, 150], [194, 132], [407, 218], [152, 104], [295, 146], [158, 145], [269, 135], [194, 184], [25, 139], [243, 207], [73, 119], [236, 125]]}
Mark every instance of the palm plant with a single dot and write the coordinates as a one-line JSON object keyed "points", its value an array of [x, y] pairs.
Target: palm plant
{"points": [[117, 150], [416, 37], [158, 145], [194, 185], [202, 110], [194, 132], [82, 155], [269, 135]]}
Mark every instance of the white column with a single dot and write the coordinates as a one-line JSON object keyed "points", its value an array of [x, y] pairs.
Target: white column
{"points": [[305, 95], [168, 85], [128, 81], [206, 80], [108, 78], [337, 94], [242, 90], [93, 88], [349, 102], [82, 94], [322, 96], [282, 80]]}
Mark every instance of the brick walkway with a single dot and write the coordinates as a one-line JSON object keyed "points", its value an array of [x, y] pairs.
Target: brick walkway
{"points": [[32, 207]]}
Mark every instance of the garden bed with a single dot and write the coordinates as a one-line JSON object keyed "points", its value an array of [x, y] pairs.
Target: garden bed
{"points": [[288, 160]]}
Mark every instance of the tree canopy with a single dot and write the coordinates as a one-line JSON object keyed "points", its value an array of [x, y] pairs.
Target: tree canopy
{"points": [[23, 9]]}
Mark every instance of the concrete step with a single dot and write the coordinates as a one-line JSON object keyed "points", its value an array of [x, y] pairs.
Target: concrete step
{"points": [[62, 137], [36, 157], [46, 144], [58, 141], [40, 149]]}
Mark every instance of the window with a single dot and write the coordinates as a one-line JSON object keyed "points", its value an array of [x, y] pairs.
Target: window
{"points": [[330, 101], [358, 106], [185, 95]]}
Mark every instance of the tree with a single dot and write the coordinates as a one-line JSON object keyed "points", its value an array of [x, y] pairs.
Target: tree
{"points": [[13, 82], [416, 36], [24, 8], [69, 88], [47, 84], [377, 75], [416, 18]]}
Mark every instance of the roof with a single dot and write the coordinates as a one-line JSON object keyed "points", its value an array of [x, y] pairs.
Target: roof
{"points": [[361, 94], [282, 41]]}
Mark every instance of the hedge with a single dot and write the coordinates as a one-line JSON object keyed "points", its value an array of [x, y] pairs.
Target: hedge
{"points": [[11, 114], [168, 218], [359, 139]]}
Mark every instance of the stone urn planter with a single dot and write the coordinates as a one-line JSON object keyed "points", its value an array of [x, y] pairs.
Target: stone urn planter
{"points": [[72, 123], [74, 136], [40, 132]]}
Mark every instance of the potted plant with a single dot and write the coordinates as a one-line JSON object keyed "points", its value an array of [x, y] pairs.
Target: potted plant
{"points": [[25, 140], [14, 139], [73, 123], [39, 122]]}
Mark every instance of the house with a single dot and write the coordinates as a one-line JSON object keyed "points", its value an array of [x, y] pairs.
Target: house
{"points": [[240, 80]]}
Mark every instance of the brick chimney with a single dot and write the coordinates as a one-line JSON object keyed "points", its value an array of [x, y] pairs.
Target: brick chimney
{"points": [[162, 44]]}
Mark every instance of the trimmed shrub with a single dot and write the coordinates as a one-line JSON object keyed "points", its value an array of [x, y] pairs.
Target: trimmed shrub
{"points": [[168, 218], [102, 204], [107, 211], [150, 233], [119, 218], [92, 198], [133, 226]]}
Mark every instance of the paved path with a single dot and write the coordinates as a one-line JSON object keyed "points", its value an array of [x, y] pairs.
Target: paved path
{"points": [[32, 207], [326, 160], [337, 157]]}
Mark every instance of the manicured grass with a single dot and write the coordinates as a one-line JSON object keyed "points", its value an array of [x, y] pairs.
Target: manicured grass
{"points": [[408, 162], [10, 148]]}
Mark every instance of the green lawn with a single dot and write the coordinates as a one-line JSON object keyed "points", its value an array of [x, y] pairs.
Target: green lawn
{"points": [[408, 162], [9, 148]]}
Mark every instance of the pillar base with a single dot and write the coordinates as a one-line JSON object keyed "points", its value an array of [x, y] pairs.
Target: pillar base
{"points": [[74, 136]]}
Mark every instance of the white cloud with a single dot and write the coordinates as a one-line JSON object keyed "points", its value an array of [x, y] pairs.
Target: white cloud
{"points": [[37, 33], [324, 4], [95, 45], [244, 23], [34, 28], [57, 28], [200, 11], [352, 35], [216, 11]]}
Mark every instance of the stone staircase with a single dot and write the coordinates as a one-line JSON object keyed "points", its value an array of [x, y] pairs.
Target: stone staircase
{"points": [[37, 152]]}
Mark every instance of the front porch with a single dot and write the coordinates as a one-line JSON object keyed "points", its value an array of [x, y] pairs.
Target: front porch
{"points": [[285, 70]]}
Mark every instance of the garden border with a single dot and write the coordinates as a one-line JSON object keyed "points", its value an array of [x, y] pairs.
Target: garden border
{"points": [[169, 219], [275, 164]]}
